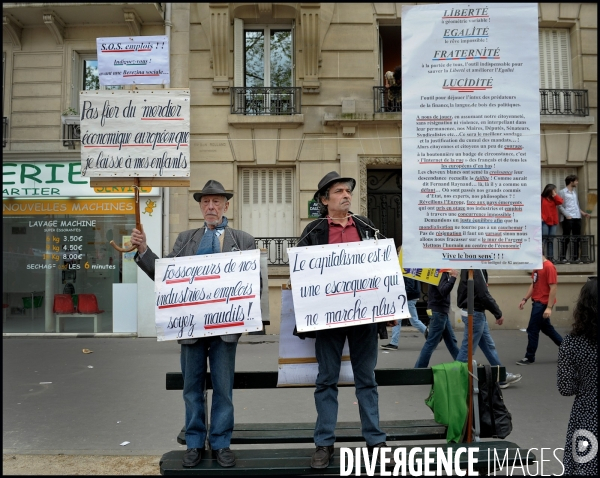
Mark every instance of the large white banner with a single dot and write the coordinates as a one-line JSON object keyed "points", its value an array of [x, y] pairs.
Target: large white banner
{"points": [[133, 60], [471, 144], [135, 133], [207, 295], [339, 285]]}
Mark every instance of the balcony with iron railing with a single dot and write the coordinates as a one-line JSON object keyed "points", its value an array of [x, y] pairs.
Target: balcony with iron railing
{"points": [[276, 248], [559, 249], [552, 101], [266, 100], [387, 99], [570, 249], [564, 102]]}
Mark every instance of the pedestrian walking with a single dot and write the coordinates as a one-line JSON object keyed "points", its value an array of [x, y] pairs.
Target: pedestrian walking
{"points": [[438, 301], [413, 294], [577, 374], [481, 331], [542, 292]]}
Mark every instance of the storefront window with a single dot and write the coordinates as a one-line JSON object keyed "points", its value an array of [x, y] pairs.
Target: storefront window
{"points": [[59, 246], [46, 255]]}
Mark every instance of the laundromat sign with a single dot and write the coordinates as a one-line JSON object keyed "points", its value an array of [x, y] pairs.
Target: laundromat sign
{"points": [[56, 179]]}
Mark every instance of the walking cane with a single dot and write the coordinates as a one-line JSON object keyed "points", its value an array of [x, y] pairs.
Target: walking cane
{"points": [[138, 222]]}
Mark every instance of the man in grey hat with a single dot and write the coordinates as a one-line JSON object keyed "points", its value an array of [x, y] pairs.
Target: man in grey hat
{"points": [[214, 237], [338, 224]]}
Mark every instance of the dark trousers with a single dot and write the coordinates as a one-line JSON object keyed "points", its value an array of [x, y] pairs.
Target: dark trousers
{"points": [[571, 227], [537, 323]]}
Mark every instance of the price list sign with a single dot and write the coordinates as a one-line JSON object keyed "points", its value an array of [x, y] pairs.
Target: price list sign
{"points": [[68, 246], [471, 144]]}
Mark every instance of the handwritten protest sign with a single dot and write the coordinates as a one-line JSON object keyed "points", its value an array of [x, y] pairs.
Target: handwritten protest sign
{"points": [[133, 60], [471, 123], [138, 133], [207, 295], [339, 285]]}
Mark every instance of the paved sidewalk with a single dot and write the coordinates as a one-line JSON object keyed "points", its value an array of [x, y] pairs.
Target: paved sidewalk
{"points": [[95, 402]]}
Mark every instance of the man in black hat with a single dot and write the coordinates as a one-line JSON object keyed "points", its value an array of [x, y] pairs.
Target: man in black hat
{"points": [[338, 224], [214, 237]]}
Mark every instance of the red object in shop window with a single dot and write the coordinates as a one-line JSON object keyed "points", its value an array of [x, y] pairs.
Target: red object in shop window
{"points": [[88, 304], [63, 304]]}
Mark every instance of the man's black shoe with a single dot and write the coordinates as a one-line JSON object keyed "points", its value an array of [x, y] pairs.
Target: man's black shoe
{"points": [[371, 449], [321, 457], [192, 457], [379, 445], [225, 457]]}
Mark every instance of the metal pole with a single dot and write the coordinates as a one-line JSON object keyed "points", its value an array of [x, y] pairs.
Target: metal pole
{"points": [[470, 307]]}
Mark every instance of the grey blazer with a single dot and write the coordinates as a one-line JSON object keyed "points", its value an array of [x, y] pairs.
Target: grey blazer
{"points": [[186, 245]]}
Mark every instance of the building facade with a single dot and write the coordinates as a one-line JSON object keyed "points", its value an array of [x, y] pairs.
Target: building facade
{"points": [[281, 94]]}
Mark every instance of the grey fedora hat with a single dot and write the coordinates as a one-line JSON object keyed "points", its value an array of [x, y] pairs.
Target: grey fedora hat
{"points": [[214, 188], [328, 180]]}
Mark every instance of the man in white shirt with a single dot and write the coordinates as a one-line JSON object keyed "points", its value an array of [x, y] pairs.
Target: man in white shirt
{"points": [[570, 217]]}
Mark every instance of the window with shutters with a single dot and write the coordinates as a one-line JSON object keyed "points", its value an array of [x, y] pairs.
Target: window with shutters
{"points": [[267, 208], [555, 58]]}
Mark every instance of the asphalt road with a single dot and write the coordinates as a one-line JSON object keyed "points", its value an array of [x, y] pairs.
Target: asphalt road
{"points": [[91, 404]]}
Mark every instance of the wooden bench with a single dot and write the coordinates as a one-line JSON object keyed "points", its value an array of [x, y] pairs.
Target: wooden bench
{"points": [[294, 461]]}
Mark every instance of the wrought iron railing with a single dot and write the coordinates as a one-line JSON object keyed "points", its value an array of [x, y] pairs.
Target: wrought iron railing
{"points": [[564, 102], [387, 100], [560, 249], [276, 248], [569, 249], [266, 101], [4, 131], [552, 101]]}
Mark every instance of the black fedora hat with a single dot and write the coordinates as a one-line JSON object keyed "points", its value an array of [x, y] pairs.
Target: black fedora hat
{"points": [[329, 179], [212, 188]]}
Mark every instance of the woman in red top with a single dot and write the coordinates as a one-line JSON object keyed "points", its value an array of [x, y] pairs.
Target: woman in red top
{"points": [[550, 199]]}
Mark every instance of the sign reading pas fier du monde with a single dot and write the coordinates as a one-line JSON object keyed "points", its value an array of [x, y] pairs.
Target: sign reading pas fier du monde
{"points": [[135, 133]]}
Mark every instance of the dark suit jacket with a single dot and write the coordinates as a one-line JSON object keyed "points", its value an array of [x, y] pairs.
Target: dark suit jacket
{"points": [[317, 233], [186, 245]]}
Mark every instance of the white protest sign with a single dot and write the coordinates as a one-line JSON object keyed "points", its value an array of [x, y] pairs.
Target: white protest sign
{"points": [[297, 357], [471, 128], [137, 133], [207, 295], [133, 60], [339, 285]]}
